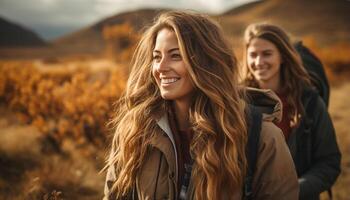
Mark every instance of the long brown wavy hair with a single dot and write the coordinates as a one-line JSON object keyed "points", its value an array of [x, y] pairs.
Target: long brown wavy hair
{"points": [[294, 77], [216, 113]]}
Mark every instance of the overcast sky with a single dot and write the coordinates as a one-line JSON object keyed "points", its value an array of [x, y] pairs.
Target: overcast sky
{"points": [[54, 18]]}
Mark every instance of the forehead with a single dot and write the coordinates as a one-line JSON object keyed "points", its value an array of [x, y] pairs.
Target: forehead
{"points": [[259, 44], [166, 39]]}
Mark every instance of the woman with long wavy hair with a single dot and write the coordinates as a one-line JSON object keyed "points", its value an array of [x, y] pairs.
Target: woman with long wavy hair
{"points": [[271, 62], [180, 127]]}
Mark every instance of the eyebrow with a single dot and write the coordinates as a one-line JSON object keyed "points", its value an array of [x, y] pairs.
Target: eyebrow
{"points": [[169, 51], [266, 50]]}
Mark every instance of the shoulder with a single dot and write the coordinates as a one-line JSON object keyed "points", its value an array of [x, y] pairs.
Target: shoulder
{"points": [[310, 95], [313, 103], [275, 176], [272, 144], [270, 135]]}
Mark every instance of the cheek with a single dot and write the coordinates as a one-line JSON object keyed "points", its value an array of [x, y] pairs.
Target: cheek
{"points": [[250, 64], [155, 74], [188, 84], [277, 62], [250, 60]]}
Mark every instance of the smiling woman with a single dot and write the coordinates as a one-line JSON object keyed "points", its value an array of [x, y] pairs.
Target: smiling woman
{"points": [[171, 74], [271, 62], [264, 61], [169, 68], [180, 128]]}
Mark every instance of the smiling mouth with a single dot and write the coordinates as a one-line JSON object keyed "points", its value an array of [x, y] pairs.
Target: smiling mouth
{"points": [[261, 69], [168, 80]]}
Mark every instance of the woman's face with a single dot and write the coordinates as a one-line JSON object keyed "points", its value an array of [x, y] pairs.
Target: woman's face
{"points": [[264, 61], [169, 68]]}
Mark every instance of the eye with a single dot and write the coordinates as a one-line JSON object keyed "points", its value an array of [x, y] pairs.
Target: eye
{"points": [[267, 53], [176, 56], [156, 58], [252, 54]]}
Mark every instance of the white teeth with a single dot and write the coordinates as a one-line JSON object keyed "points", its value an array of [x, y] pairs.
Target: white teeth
{"points": [[261, 69], [168, 80]]}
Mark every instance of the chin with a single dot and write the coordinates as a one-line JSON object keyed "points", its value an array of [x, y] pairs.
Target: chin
{"points": [[261, 78], [167, 96]]}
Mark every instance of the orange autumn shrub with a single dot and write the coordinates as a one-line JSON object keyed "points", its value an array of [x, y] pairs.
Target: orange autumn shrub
{"points": [[71, 103], [335, 58], [120, 41]]}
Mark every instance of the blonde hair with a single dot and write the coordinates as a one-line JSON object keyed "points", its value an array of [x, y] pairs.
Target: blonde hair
{"points": [[216, 114], [294, 77]]}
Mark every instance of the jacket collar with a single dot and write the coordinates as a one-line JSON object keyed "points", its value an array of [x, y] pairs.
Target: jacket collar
{"points": [[267, 102], [163, 123]]}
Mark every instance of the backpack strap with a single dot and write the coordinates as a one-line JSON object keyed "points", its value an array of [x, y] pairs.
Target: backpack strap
{"points": [[254, 119]]}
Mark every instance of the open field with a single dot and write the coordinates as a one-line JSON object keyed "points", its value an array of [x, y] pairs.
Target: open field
{"points": [[56, 98], [339, 109], [29, 169], [66, 164]]}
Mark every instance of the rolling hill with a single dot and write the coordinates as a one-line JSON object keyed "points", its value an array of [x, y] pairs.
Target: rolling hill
{"points": [[91, 37], [325, 20], [15, 35]]}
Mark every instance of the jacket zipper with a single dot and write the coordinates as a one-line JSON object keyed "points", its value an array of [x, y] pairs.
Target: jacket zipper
{"points": [[159, 166]]}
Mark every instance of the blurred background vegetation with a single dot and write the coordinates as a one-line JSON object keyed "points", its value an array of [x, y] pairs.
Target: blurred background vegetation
{"points": [[56, 97]]}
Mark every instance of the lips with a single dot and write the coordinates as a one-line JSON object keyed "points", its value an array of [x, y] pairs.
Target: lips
{"points": [[261, 68]]}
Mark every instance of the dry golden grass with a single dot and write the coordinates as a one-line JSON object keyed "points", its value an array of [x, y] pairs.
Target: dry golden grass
{"points": [[335, 58], [30, 167], [62, 96], [62, 101], [47, 175], [339, 110]]}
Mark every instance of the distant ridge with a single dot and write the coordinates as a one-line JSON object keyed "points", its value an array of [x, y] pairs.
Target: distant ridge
{"points": [[15, 35], [327, 21], [241, 9], [138, 18], [91, 37]]}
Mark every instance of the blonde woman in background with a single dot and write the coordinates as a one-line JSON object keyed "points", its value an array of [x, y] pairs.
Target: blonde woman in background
{"points": [[271, 62], [181, 130]]}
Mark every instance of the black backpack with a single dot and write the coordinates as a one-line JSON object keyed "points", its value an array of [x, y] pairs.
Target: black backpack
{"points": [[254, 119], [315, 69]]}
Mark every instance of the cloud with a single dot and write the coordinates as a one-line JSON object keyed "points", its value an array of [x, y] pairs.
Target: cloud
{"points": [[52, 18]]}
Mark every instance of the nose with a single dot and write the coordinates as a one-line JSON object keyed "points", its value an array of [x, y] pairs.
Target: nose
{"points": [[163, 65], [259, 61]]}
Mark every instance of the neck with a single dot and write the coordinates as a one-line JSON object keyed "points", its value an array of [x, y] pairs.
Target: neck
{"points": [[181, 109], [273, 84]]}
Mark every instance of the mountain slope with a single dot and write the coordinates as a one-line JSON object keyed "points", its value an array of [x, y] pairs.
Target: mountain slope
{"points": [[326, 21], [16, 35], [91, 37]]}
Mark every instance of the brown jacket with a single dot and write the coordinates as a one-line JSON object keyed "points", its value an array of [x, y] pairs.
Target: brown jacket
{"points": [[274, 178]]}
